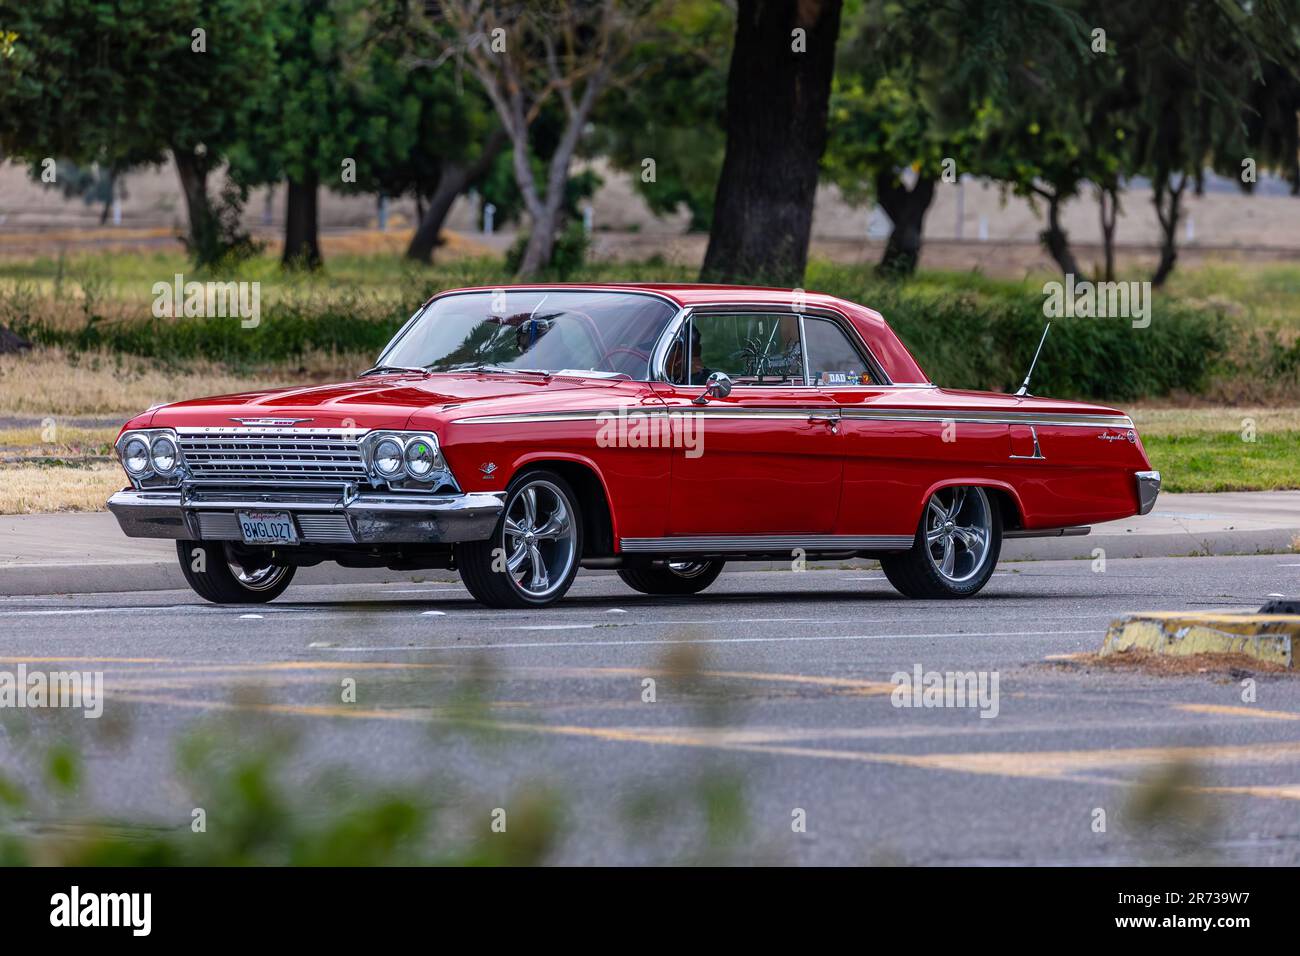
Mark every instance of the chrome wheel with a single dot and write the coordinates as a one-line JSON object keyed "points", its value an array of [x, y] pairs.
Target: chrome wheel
{"points": [[958, 531], [259, 579], [540, 538], [689, 569]]}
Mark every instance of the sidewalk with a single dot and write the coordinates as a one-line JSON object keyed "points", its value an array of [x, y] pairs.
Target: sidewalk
{"points": [[84, 553]]}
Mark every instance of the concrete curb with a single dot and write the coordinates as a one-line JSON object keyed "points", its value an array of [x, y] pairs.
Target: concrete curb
{"points": [[1269, 638], [1173, 545]]}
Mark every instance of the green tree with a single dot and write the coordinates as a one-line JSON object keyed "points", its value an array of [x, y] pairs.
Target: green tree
{"points": [[123, 85], [664, 124]]}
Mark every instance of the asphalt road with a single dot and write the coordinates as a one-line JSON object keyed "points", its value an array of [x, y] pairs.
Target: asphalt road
{"points": [[772, 695]]}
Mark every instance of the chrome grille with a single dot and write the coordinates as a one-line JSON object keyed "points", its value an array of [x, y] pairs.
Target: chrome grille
{"points": [[215, 526], [272, 454], [330, 529]]}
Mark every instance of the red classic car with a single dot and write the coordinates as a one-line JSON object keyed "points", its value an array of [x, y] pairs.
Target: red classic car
{"points": [[516, 434]]}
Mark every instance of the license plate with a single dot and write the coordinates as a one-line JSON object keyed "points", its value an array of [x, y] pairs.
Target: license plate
{"points": [[267, 527]]}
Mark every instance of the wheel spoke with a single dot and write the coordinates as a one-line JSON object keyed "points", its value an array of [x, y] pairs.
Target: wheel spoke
{"points": [[529, 498], [556, 525], [936, 509], [934, 535], [516, 560], [958, 499], [540, 580], [512, 528], [949, 556]]}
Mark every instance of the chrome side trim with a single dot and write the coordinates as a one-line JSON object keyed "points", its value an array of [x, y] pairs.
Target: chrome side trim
{"points": [[1148, 484], [767, 542], [1073, 531], [991, 418], [881, 414]]}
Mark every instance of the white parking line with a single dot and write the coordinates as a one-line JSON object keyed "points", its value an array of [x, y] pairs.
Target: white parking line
{"points": [[704, 640]]}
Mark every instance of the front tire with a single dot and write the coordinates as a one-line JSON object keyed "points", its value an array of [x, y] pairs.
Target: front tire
{"points": [[675, 577], [532, 556], [215, 575], [956, 546]]}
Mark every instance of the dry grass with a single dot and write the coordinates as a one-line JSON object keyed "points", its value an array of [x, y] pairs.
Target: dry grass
{"points": [[54, 440], [38, 489], [1160, 420], [46, 382], [1170, 665]]}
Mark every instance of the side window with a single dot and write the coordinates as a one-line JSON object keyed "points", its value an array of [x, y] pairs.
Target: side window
{"points": [[752, 348], [832, 359]]}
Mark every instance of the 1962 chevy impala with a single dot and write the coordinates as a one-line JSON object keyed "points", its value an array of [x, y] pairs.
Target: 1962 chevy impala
{"points": [[517, 434]]}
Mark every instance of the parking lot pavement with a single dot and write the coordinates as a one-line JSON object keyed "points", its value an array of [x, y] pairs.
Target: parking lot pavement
{"points": [[775, 687]]}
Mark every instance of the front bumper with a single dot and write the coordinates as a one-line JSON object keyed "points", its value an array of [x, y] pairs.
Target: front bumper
{"points": [[322, 519], [1148, 484]]}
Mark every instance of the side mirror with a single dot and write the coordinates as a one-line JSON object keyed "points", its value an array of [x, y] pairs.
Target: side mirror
{"points": [[717, 385]]}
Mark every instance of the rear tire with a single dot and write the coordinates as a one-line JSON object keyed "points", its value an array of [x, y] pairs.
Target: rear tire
{"points": [[688, 577], [956, 546], [214, 574], [540, 527]]}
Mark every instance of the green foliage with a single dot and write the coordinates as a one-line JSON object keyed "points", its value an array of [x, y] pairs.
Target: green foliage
{"points": [[986, 339], [671, 111], [143, 91]]}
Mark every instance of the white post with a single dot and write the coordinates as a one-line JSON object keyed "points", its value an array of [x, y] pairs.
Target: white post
{"points": [[489, 213]]}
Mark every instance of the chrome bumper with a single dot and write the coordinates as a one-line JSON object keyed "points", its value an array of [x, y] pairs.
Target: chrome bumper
{"points": [[320, 518], [1148, 483]]}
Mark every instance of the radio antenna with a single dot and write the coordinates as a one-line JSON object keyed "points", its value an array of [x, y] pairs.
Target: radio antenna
{"points": [[1024, 386]]}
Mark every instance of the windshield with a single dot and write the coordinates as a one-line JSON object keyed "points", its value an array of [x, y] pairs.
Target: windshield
{"points": [[507, 330]]}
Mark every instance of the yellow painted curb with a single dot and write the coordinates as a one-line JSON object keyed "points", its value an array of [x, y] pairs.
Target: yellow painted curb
{"points": [[1264, 637]]}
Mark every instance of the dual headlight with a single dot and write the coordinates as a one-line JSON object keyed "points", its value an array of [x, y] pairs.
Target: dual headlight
{"points": [[397, 455], [150, 453]]}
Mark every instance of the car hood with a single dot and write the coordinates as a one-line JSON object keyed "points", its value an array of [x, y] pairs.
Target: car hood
{"points": [[380, 401]]}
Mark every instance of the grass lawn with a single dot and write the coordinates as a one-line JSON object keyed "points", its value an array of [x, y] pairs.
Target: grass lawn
{"points": [[1224, 462]]}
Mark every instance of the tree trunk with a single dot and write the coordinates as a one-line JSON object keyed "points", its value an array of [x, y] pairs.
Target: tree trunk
{"points": [[1109, 197], [455, 180], [776, 133], [193, 173], [541, 240], [1168, 202], [1055, 239], [906, 209], [301, 226]]}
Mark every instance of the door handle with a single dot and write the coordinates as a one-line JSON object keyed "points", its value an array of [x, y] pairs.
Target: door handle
{"points": [[830, 418]]}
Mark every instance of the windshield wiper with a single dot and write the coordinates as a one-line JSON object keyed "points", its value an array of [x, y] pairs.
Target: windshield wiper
{"points": [[508, 371], [390, 369]]}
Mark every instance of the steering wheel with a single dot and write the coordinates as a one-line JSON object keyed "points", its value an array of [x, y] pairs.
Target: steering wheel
{"points": [[637, 354]]}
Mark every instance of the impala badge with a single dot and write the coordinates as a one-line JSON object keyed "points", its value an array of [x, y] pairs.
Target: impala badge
{"points": [[270, 421], [488, 468]]}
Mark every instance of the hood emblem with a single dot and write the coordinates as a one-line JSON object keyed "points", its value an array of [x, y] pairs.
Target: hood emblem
{"points": [[270, 421], [488, 467]]}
